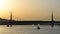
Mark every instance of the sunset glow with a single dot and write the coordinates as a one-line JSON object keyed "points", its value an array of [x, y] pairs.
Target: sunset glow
{"points": [[30, 9], [3, 5]]}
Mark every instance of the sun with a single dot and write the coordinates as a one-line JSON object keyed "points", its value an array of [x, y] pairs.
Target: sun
{"points": [[3, 5]]}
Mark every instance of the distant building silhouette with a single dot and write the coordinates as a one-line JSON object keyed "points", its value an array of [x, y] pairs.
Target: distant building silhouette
{"points": [[10, 21], [52, 22]]}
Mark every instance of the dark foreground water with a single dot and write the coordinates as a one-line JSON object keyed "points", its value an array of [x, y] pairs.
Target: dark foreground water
{"points": [[29, 29]]}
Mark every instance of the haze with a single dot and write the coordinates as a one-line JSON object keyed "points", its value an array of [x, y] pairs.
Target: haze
{"points": [[30, 9]]}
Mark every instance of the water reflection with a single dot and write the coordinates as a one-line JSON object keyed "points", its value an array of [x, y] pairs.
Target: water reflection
{"points": [[29, 29]]}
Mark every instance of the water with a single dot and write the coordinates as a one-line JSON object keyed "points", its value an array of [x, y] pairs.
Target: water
{"points": [[29, 29]]}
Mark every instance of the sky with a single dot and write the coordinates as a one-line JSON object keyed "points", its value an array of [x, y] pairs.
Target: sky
{"points": [[30, 9]]}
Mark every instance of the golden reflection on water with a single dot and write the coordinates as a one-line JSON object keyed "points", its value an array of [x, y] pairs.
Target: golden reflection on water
{"points": [[29, 29]]}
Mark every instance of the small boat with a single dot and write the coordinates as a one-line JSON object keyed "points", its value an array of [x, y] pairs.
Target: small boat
{"points": [[32, 24], [38, 27], [7, 25]]}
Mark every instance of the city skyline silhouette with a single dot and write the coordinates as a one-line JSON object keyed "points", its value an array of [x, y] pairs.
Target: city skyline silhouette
{"points": [[30, 9]]}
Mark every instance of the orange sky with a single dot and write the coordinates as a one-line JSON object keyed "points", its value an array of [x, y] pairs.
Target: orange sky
{"points": [[30, 9]]}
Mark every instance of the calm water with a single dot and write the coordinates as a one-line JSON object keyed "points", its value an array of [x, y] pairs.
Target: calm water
{"points": [[29, 29]]}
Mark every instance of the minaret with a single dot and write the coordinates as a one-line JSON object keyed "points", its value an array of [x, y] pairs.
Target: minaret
{"points": [[52, 22], [11, 19]]}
